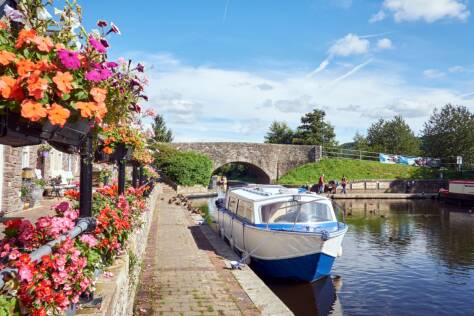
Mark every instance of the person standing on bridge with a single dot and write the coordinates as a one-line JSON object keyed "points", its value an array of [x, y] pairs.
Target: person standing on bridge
{"points": [[321, 184]]}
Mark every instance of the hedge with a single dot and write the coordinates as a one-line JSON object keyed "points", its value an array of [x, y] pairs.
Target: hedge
{"points": [[184, 167]]}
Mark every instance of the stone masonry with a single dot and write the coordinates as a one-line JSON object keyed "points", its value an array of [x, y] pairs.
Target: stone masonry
{"points": [[273, 159]]}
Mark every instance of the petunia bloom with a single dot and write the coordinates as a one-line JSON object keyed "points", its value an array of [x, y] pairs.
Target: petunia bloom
{"points": [[69, 59], [6, 57], [32, 110], [97, 45], [140, 67], [114, 29], [14, 15], [58, 115], [63, 81], [93, 75], [101, 23]]}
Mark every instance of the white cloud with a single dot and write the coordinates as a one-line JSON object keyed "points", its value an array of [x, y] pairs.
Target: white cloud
{"points": [[379, 16], [210, 103], [456, 69], [426, 10], [384, 43], [433, 73], [351, 44]]}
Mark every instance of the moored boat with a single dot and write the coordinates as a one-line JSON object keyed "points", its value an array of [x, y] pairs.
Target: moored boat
{"points": [[459, 191], [284, 232]]}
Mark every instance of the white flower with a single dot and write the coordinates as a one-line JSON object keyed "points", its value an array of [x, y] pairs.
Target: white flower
{"points": [[43, 14]]}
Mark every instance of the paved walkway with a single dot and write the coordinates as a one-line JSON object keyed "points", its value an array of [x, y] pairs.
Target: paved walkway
{"points": [[182, 275]]}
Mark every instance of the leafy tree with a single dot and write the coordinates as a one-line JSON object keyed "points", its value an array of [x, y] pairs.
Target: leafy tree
{"points": [[394, 136], [279, 133], [360, 142], [162, 133], [314, 130], [449, 132]]}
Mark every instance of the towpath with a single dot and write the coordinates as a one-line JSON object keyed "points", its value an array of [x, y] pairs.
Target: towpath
{"points": [[182, 275]]}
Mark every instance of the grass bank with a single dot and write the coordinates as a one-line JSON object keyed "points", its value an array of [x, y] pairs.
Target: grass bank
{"points": [[359, 170]]}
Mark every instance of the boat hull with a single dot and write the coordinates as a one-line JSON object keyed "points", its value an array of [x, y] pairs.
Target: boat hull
{"points": [[308, 268]]}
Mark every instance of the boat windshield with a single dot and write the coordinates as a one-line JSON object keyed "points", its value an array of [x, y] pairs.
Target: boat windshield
{"points": [[294, 212]]}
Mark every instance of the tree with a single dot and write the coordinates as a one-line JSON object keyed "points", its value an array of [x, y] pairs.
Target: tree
{"points": [[314, 130], [162, 133], [449, 132], [394, 137], [360, 142], [279, 133]]}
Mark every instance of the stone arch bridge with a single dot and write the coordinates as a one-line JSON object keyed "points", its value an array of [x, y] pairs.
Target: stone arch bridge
{"points": [[273, 160]]}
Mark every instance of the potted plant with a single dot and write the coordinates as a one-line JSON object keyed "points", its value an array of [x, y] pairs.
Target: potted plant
{"points": [[104, 177], [38, 189], [44, 149]]}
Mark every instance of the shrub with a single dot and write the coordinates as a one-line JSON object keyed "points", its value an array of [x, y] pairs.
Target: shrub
{"points": [[184, 167]]}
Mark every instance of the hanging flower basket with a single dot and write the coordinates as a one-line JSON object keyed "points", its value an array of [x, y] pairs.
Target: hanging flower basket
{"points": [[100, 156], [121, 152], [17, 131], [72, 133]]}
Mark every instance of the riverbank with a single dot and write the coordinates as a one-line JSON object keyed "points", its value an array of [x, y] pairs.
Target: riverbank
{"points": [[335, 169], [187, 273]]}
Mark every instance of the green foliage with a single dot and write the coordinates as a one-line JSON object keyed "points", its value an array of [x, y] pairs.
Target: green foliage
{"points": [[314, 130], [450, 132], [161, 133], [360, 143], [358, 170], [279, 133], [9, 306], [394, 137], [205, 212], [184, 167]]}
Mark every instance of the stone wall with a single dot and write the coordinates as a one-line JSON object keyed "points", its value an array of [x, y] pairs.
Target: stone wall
{"points": [[118, 292], [273, 159], [11, 179], [398, 186]]}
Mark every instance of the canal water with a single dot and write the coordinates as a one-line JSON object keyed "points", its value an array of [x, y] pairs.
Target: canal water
{"points": [[399, 258]]}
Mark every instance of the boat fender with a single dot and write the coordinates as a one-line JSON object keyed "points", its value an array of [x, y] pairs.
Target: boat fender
{"points": [[324, 235], [339, 252]]}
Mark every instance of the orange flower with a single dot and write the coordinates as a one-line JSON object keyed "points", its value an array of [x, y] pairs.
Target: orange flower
{"points": [[107, 150], [59, 46], [6, 57], [25, 36], [25, 66], [87, 108], [10, 88], [37, 86], [58, 115], [98, 94], [45, 65], [44, 44], [63, 81], [101, 110], [32, 110], [3, 25]]}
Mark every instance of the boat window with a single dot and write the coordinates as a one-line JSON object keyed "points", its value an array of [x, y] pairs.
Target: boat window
{"points": [[291, 212], [245, 210], [232, 204]]}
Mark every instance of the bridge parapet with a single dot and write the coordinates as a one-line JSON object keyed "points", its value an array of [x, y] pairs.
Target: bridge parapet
{"points": [[273, 159]]}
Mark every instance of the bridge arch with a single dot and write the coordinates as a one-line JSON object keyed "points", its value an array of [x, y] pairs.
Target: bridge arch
{"points": [[254, 173]]}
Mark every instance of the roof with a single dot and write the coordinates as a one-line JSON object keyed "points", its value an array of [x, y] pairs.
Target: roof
{"points": [[266, 192]]}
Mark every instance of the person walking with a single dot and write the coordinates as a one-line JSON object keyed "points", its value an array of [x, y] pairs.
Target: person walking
{"points": [[321, 184], [343, 184]]}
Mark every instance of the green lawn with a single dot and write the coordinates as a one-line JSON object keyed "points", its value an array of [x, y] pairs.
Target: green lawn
{"points": [[358, 170]]}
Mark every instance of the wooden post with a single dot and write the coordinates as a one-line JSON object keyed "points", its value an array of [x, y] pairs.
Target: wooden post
{"points": [[121, 176], [85, 186], [135, 175], [141, 176]]}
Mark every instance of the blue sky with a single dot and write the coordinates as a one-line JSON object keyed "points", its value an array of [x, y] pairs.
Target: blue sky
{"points": [[223, 70]]}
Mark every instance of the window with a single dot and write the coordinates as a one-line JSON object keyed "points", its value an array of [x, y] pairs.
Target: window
{"points": [[291, 212], [25, 157], [232, 204], [245, 210]]}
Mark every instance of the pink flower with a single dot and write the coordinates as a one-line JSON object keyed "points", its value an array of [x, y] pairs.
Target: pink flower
{"points": [[69, 59], [14, 254], [114, 29], [61, 207], [97, 75], [71, 214], [25, 273], [97, 45], [89, 240]]}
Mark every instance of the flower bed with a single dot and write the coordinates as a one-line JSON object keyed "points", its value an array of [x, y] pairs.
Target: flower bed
{"points": [[59, 280]]}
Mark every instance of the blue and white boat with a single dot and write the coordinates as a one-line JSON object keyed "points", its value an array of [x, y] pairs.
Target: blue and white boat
{"points": [[285, 233]]}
